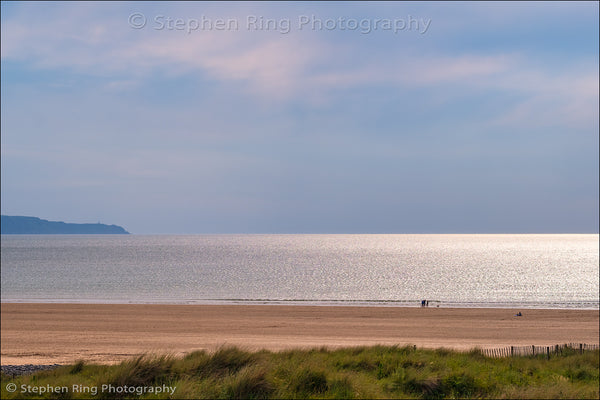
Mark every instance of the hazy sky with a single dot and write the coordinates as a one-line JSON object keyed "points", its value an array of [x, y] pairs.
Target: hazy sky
{"points": [[300, 117]]}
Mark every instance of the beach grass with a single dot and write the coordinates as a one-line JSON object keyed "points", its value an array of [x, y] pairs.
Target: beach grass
{"points": [[356, 372]]}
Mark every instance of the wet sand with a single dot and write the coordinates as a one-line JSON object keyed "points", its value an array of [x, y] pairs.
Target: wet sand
{"points": [[107, 333]]}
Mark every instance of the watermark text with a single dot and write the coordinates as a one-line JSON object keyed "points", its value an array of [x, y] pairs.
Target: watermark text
{"points": [[91, 390], [312, 22]]}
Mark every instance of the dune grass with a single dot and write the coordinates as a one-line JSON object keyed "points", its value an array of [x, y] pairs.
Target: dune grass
{"points": [[360, 372]]}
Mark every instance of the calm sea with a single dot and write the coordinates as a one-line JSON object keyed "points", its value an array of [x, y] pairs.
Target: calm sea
{"points": [[547, 271]]}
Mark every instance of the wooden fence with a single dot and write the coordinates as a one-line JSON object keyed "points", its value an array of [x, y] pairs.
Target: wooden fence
{"points": [[537, 350]]}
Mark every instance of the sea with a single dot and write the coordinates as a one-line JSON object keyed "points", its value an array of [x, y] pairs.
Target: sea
{"points": [[471, 270]]}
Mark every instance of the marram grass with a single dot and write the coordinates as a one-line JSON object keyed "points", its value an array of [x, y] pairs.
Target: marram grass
{"points": [[350, 373]]}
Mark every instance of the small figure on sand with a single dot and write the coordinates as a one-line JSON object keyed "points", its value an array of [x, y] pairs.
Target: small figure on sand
{"points": [[424, 303], [518, 314]]}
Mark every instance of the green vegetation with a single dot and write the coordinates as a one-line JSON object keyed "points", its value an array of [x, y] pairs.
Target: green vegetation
{"points": [[361, 372]]}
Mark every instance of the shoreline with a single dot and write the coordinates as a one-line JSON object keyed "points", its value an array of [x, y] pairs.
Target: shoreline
{"points": [[49, 333], [574, 305]]}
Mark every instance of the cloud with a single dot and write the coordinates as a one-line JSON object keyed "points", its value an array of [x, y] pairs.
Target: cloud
{"points": [[306, 67], [567, 99], [269, 65], [82, 42]]}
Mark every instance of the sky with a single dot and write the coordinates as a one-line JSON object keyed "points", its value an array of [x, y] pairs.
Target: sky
{"points": [[296, 117]]}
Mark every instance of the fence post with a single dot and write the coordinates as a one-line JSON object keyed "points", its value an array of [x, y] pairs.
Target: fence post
{"points": [[512, 351], [533, 348], [580, 348], [547, 352]]}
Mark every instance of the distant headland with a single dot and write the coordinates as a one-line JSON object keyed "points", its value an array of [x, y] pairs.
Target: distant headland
{"points": [[11, 225]]}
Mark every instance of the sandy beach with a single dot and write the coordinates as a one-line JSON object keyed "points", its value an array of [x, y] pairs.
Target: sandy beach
{"points": [[107, 333]]}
